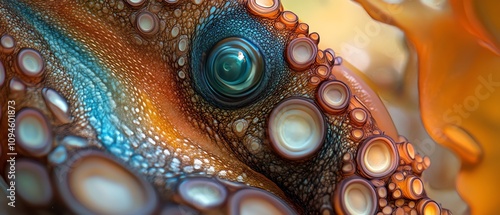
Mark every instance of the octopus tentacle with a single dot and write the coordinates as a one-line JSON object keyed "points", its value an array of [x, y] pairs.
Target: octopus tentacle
{"points": [[139, 107]]}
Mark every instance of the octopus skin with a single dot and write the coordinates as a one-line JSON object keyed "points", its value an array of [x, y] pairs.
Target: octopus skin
{"points": [[211, 107]]}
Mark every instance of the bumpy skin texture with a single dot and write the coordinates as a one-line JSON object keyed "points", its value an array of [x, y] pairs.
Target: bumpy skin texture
{"points": [[138, 97]]}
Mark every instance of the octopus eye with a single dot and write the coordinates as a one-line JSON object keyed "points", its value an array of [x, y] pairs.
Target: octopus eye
{"points": [[235, 58], [233, 70]]}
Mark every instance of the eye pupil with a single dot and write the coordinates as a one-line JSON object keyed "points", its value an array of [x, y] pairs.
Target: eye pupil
{"points": [[234, 68]]}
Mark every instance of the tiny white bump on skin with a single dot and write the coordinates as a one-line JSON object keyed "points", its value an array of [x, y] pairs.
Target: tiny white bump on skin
{"points": [[166, 152], [181, 61], [175, 165], [142, 135], [210, 170], [175, 31], [222, 173], [197, 163], [127, 130], [255, 120], [188, 169]]}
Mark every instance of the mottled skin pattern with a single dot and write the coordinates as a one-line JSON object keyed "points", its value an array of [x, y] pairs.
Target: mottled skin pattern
{"points": [[135, 96]]}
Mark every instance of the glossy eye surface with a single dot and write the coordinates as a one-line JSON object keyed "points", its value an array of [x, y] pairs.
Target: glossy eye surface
{"points": [[235, 59], [234, 69]]}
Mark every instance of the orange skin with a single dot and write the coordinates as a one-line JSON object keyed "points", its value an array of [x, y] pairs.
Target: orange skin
{"points": [[459, 60]]}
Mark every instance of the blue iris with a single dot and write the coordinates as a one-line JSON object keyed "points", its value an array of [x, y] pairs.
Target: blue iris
{"points": [[236, 59], [234, 68]]}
